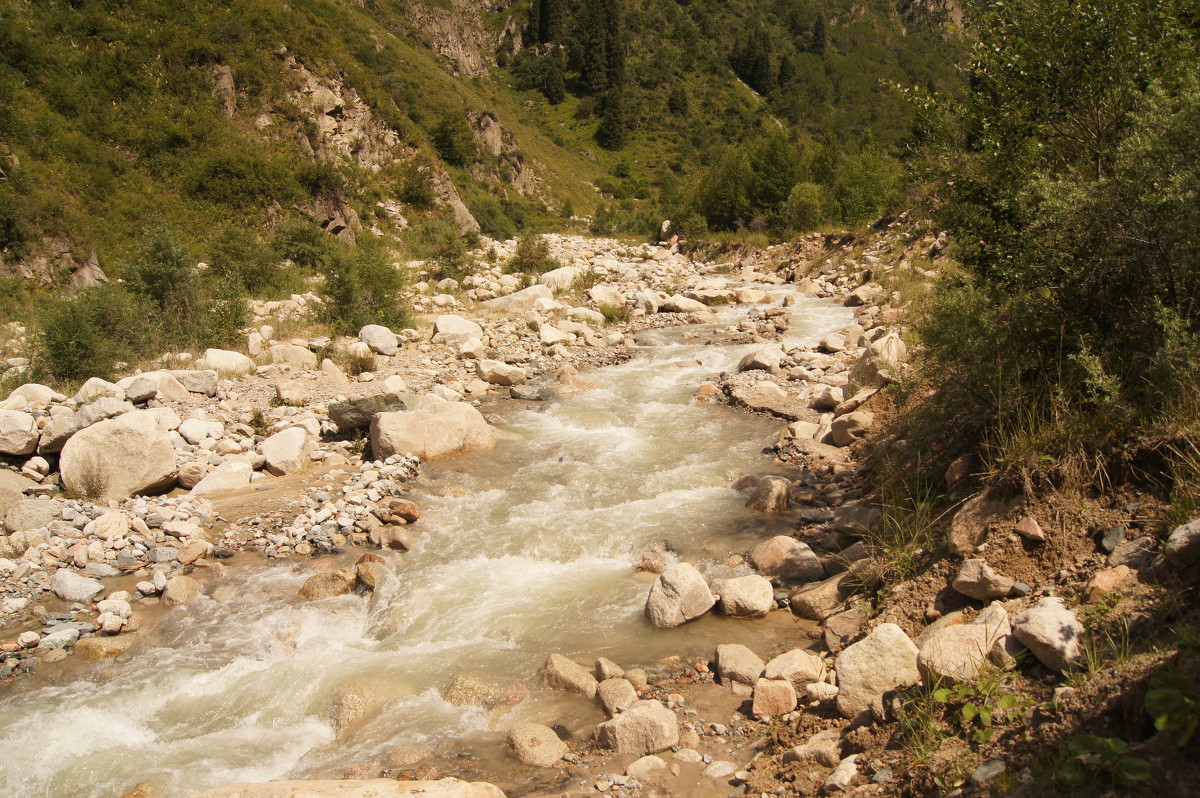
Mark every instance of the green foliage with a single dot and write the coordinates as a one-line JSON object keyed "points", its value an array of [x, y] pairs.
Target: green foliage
{"points": [[542, 73], [805, 208], [86, 335], [453, 140], [614, 314], [602, 40], [363, 287], [1174, 703], [240, 177], [1091, 757], [532, 256], [974, 708], [238, 256], [613, 132], [303, 243], [162, 269]]}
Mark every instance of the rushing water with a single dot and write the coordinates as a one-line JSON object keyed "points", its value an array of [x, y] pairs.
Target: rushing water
{"points": [[528, 551]]}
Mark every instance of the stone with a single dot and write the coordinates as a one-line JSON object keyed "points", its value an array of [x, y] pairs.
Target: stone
{"points": [[442, 429], [297, 357], [842, 628], [108, 526], [230, 475], [355, 788], [607, 669], [202, 381], [95, 388], [649, 769], [12, 490], [736, 663], [472, 349], [616, 695], [1029, 529], [773, 697], [603, 294], [495, 372], [70, 586], [62, 639], [190, 474], [122, 456], [977, 579], [562, 278], [18, 433], [823, 748], [770, 495], [31, 394], [679, 595], [226, 363], [1107, 582], [195, 430], [550, 335], [24, 515], [181, 590], [681, 304], [1052, 632], [293, 392], [849, 428], [787, 558], [328, 584], [856, 518], [818, 600], [880, 364], [351, 414], [95, 649], [454, 330], [565, 674], [1137, 553], [799, 667], [334, 373], [721, 770], [747, 597], [286, 452], [1183, 545], [968, 527], [883, 660], [645, 728], [519, 302], [392, 536], [821, 691], [646, 301], [956, 653], [380, 339], [842, 775], [194, 550], [767, 359], [536, 745]]}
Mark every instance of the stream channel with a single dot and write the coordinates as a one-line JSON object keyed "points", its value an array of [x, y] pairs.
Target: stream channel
{"points": [[527, 552]]}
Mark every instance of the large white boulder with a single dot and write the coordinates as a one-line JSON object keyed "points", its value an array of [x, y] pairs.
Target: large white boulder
{"points": [[1052, 632], [380, 339], [440, 429], [883, 660], [122, 456], [230, 475], [497, 372], [678, 595], [521, 301], [645, 728], [18, 433], [285, 452], [454, 331], [226, 362]]}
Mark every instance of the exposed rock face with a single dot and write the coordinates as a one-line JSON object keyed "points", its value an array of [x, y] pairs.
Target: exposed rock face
{"points": [[679, 595], [883, 660], [121, 456], [437, 430]]}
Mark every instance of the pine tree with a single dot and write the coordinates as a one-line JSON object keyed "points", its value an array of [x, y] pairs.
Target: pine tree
{"points": [[613, 132], [602, 40], [817, 45], [552, 20]]}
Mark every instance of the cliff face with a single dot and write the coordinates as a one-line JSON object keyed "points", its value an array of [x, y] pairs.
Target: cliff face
{"points": [[460, 32]]}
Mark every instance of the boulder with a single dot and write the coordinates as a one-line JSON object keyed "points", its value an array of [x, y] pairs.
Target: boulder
{"points": [[225, 362], [328, 584], [975, 578], [24, 515], [203, 381], [519, 302], [286, 451], [31, 394], [787, 558], [650, 769], [824, 748], [496, 372], [70, 586], [747, 597], [550, 335], [95, 649], [380, 339], [561, 279], [616, 695], [355, 788], [351, 414], [955, 654], [230, 475], [18, 433], [442, 429], [646, 301], [166, 387], [297, 357], [1183, 545], [852, 426], [681, 304], [122, 456], [878, 365], [194, 430], [773, 697], [797, 666], [181, 590], [645, 728], [883, 660], [677, 596], [12, 489], [765, 359], [565, 674], [770, 496], [293, 392], [603, 295], [1052, 632], [736, 663], [535, 744], [454, 330]]}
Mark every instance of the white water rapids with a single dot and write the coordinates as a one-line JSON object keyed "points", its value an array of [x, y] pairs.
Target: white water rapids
{"points": [[529, 552]]}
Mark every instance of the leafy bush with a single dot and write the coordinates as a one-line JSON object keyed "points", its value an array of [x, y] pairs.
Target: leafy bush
{"points": [[362, 287], [532, 256], [84, 336], [453, 140], [240, 177], [303, 243], [238, 256]]}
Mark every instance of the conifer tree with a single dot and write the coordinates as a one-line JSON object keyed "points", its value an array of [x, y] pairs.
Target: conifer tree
{"points": [[552, 20]]}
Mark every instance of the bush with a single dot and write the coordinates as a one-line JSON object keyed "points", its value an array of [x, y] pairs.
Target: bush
{"points": [[303, 243], [532, 256], [241, 178], [805, 207], [162, 268], [453, 140], [236, 255], [85, 335], [362, 287]]}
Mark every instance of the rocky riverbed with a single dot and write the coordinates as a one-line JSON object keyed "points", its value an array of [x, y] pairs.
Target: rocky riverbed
{"points": [[261, 452]]}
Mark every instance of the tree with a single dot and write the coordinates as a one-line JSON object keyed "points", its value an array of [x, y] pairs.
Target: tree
{"points": [[751, 60], [551, 20], [602, 40], [615, 124], [816, 44], [722, 196]]}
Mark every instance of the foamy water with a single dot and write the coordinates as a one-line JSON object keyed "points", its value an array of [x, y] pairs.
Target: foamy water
{"points": [[529, 553]]}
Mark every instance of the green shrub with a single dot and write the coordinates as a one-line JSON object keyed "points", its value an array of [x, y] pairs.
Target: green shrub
{"points": [[241, 177], [162, 268], [303, 243], [805, 207], [85, 335], [362, 287], [532, 256], [237, 255]]}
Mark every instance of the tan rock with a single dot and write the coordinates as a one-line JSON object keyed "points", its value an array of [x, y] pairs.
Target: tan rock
{"points": [[355, 788], [564, 674], [440, 429], [181, 590], [536, 745], [1108, 581], [328, 584], [773, 697]]}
